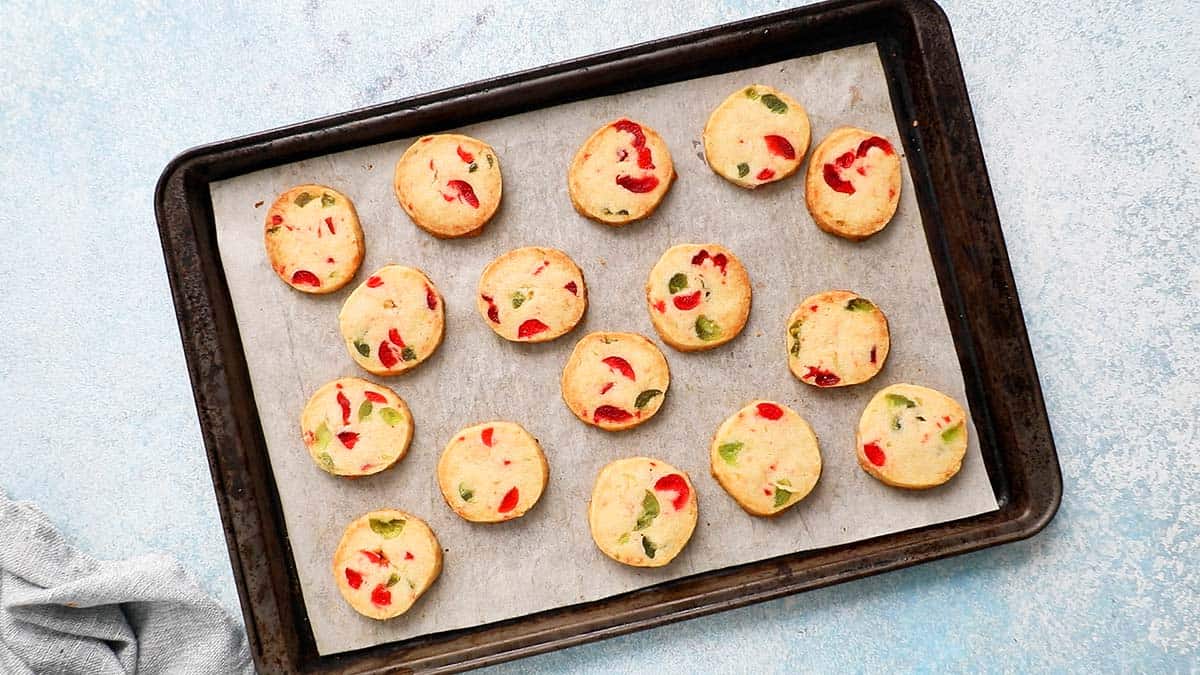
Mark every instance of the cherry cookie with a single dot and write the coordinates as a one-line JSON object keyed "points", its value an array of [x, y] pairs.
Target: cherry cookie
{"points": [[766, 457], [853, 183], [642, 512], [385, 561], [836, 339], [912, 437], [532, 294], [621, 173], [449, 184], [353, 427], [615, 381], [313, 238], [393, 321], [698, 296], [492, 472], [758, 135]]}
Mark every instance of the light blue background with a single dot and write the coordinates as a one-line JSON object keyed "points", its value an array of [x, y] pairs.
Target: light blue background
{"points": [[1088, 114]]}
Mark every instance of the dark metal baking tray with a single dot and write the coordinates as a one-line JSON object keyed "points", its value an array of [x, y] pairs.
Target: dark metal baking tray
{"points": [[962, 228]]}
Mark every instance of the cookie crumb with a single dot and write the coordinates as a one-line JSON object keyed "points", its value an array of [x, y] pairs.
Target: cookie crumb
{"points": [[258, 203]]}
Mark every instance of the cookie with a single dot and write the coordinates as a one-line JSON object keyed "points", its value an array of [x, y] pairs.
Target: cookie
{"points": [[698, 296], [912, 437], [758, 135], [492, 472], [615, 381], [393, 321], [621, 173], [313, 238], [766, 457], [449, 184], [532, 294], [385, 561], [642, 512], [836, 338], [853, 183], [356, 428]]}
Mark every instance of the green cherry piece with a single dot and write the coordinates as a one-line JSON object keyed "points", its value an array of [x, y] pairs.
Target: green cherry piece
{"points": [[677, 283], [772, 101], [649, 511], [743, 169], [518, 299], [364, 410], [782, 496], [302, 199], [323, 436], [623, 539], [472, 168], [390, 416], [649, 547], [407, 354], [393, 580], [899, 401], [327, 199], [465, 492], [751, 93], [388, 529], [644, 398], [707, 329], [953, 433], [326, 461], [729, 451], [362, 348], [794, 332], [859, 305]]}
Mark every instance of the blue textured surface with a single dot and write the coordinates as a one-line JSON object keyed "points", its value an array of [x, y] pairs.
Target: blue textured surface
{"points": [[1088, 117]]}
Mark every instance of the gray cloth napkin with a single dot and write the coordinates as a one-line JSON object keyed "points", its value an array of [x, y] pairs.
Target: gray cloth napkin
{"points": [[62, 611]]}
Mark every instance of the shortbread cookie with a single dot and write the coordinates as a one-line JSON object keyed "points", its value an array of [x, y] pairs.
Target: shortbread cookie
{"points": [[385, 561], [853, 183], [643, 511], [532, 294], [393, 321], [313, 238], [353, 427], [912, 437], [766, 457], [698, 296], [621, 173], [758, 135], [449, 184], [492, 472], [836, 338], [615, 380]]}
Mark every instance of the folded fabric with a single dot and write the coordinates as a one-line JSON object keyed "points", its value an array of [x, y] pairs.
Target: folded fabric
{"points": [[62, 611]]}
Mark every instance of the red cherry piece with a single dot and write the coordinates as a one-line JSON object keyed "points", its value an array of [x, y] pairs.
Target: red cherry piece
{"points": [[381, 596], [822, 378], [375, 397], [765, 174], [376, 557], [874, 454], [639, 185], [571, 286], [305, 278], [686, 302], [345, 405], [374, 282], [388, 355], [329, 224], [276, 219], [673, 482], [620, 365], [700, 257], [834, 180], [348, 439], [394, 336], [430, 298], [720, 260], [844, 160], [408, 555], [541, 267], [610, 413], [875, 142], [465, 156], [487, 436], [645, 161], [493, 311], [509, 502], [622, 154], [872, 353], [606, 387], [770, 411], [354, 578], [530, 327], [465, 192], [780, 147], [661, 307]]}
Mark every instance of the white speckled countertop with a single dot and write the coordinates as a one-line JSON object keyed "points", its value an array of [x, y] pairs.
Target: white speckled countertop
{"points": [[1088, 118]]}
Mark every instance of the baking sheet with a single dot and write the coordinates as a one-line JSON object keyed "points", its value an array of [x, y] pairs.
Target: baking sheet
{"points": [[547, 559]]}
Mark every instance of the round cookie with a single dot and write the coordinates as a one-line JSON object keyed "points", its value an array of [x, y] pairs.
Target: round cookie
{"points": [[449, 184], [313, 238], [912, 437], [698, 296], [836, 339], [621, 173], [853, 183], [393, 321], [615, 381], [492, 472], [758, 135], [353, 427], [385, 561], [642, 512], [532, 294], [766, 457]]}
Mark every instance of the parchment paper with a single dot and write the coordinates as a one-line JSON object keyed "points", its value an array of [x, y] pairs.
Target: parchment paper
{"points": [[547, 558]]}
